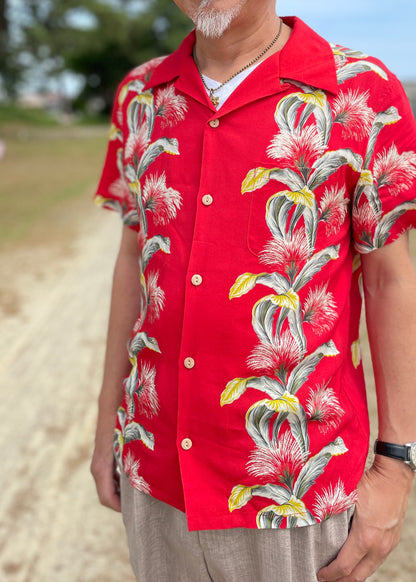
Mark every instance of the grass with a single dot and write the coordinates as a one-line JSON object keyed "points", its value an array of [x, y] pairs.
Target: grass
{"points": [[45, 171], [10, 113]]}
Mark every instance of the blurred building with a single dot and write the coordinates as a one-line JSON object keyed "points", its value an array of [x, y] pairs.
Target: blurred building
{"points": [[49, 101]]}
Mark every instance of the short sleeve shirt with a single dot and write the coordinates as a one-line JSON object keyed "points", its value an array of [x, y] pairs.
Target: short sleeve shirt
{"points": [[246, 405]]}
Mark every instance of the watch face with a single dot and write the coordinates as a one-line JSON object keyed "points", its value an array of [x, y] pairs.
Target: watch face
{"points": [[412, 456]]}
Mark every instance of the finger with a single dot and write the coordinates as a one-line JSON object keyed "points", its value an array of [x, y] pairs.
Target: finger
{"points": [[363, 570], [107, 488], [350, 555], [108, 495]]}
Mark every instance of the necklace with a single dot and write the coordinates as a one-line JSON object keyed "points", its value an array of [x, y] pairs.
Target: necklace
{"points": [[216, 100]]}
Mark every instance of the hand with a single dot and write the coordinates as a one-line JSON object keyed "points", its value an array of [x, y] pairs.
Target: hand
{"points": [[383, 493], [103, 469]]}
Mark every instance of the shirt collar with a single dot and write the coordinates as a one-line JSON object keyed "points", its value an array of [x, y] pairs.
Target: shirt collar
{"points": [[306, 58]]}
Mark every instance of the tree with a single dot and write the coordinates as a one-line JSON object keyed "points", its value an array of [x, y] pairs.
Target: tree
{"points": [[10, 69], [102, 39]]}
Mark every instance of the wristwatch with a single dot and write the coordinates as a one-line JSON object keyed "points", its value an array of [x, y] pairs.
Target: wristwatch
{"points": [[406, 453]]}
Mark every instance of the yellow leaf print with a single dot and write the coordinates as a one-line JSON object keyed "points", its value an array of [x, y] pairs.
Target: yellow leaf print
{"points": [[317, 98], [255, 179], [304, 196], [286, 403], [135, 187], [293, 508], [123, 93], [289, 300], [366, 178], [99, 200], [243, 284], [115, 133], [356, 353], [118, 435], [239, 497], [234, 390]]}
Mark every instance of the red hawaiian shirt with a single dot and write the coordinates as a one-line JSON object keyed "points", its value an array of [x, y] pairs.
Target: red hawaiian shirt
{"points": [[246, 403]]}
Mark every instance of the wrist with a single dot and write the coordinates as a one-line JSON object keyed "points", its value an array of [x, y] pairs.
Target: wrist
{"points": [[394, 469]]}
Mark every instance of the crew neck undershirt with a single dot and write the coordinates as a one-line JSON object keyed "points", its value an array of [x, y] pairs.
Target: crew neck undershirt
{"points": [[224, 93]]}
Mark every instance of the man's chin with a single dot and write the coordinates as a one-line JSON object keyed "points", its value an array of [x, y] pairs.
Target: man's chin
{"points": [[213, 24]]}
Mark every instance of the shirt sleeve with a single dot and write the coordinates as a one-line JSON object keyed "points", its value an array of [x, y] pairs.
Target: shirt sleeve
{"points": [[384, 202], [113, 190]]}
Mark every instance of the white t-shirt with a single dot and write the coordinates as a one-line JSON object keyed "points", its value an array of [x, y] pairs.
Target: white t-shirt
{"points": [[229, 87]]}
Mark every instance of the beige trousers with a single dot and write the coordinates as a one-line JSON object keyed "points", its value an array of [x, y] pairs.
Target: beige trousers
{"points": [[163, 550]]}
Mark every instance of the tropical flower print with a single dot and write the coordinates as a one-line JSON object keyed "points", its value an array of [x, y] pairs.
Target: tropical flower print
{"points": [[319, 309], [333, 208], [285, 317], [155, 296], [276, 357], [281, 462], [351, 110], [169, 106], [394, 171], [324, 407], [384, 171], [332, 501], [164, 202], [131, 468], [152, 199]]}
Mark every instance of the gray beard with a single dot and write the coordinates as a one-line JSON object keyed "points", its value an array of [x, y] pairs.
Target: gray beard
{"points": [[213, 23]]}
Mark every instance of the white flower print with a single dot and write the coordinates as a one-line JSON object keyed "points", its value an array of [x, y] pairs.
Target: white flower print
{"points": [[164, 202], [148, 402], [277, 463], [155, 296], [300, 149], [276, 358], [324, 407], [351, 110], [131, 468], [365, 220], [319, 309], [333, 501], [288, 254], [144, 69], [395, 171], [170, 106], [119, 189], [136, 143], [333, 208]]}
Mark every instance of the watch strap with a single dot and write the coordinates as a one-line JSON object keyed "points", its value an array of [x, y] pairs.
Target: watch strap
{"points": [[392, 450]]}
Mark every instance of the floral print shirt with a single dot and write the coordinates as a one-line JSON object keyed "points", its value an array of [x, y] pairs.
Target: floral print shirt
{"points": [[246, 404]]}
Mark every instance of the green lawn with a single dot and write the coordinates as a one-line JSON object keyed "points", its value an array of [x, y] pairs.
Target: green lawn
{"points": [[45, 171]]}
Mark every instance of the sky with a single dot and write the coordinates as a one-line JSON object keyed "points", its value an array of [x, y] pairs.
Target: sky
{"points": [[380, 28]]}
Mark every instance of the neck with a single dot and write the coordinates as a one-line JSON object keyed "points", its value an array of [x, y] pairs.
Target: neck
{"points": [[247, 36]]}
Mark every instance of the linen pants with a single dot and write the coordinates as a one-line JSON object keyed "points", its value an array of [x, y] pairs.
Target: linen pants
{"points": [[163, 550]]}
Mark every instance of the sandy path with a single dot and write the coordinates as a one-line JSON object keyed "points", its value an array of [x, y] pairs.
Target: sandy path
{"points": [[52, 527], [51, 349]]}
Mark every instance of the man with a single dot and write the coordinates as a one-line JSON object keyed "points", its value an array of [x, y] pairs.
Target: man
{"points": [[266, 180]]}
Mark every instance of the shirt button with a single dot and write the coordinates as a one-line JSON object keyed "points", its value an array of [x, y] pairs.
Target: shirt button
{"points": [[196, 280], [214, 123], [189, 363], [186, 444], [207, 200]]}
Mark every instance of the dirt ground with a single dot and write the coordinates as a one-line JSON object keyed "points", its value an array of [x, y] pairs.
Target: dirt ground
{"points": [[53, 306]]}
